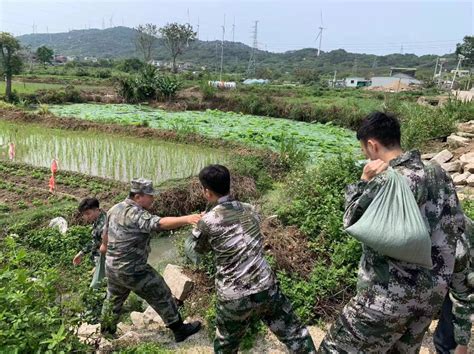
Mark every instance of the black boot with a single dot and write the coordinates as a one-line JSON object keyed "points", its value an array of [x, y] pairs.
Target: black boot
{"points": [[182, 330]]}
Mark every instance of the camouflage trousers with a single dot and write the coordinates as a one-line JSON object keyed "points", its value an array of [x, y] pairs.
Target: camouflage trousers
{"points": [[273, 308], [361, 329], [149, 285]]}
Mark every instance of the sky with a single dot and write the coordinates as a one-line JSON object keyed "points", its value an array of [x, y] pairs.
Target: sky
{"points": [[370, 26]]}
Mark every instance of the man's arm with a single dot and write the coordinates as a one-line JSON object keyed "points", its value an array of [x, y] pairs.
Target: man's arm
{"points": [[171, 222], [460, 289]]}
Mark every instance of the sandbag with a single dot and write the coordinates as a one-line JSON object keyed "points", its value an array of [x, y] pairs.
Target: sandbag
{"points": [[59, 223], [393, 225]]}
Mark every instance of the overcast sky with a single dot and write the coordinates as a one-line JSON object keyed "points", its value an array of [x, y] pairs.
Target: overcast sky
{"points": [[376, 27]]}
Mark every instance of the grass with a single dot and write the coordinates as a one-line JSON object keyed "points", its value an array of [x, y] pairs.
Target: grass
{"points": [[32, 87]]}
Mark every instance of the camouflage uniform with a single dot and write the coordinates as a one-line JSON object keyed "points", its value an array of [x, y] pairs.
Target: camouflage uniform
{"points": [[129, 227], [245, 283], [396, 300], [461, 289], [93, 246]]}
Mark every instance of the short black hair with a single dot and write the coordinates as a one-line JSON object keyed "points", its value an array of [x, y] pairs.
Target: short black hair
{"points": [[216, 178], [87, 204], [383, 127], [132, 195]]}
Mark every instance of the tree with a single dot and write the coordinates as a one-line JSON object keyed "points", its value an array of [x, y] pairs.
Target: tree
{"points": [[44, 55], [177, 38], [466, 49], [145, 40], [10, 60]]}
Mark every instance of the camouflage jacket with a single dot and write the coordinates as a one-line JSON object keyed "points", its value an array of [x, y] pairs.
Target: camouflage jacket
{"points": [[390, 285], [129, 228], [462, 286], [231, 230], [97, 228]]}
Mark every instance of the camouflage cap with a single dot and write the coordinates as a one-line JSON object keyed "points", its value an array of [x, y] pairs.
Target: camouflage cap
{"points": [[142, 185]]}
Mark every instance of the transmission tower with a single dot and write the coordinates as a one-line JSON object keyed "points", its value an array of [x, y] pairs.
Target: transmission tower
{"points": [[253, 53], [222, 50]]}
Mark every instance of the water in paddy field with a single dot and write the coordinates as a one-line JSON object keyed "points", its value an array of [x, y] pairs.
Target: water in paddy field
{"points": [[163, 251], [103, 155]]}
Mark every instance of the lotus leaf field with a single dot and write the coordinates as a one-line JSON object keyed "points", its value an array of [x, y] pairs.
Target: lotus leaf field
{"points": [[256, 131]]}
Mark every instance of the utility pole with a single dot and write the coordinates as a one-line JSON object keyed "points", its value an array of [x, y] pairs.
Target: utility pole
{"points": [[461, 58], [233, 31], [436, 68], [440, 73], [320, 35], [198, 29], [103, 23], [401, 49], [222, 50], [334, 79], [252, 61]]}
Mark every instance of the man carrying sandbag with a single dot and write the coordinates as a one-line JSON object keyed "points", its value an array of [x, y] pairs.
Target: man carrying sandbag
{"points": [[409, 220]]}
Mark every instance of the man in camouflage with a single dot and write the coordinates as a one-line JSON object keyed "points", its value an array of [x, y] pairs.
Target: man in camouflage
{"points": [[129, 227], [396, 300], [454, 326], [90, 211], [245, 283]]}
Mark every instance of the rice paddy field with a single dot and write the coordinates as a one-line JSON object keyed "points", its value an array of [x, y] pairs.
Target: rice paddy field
{"points": [[256, 131]]}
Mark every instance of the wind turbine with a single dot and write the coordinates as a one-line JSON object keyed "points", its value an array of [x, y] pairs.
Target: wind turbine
{"points": [[320, 34]]}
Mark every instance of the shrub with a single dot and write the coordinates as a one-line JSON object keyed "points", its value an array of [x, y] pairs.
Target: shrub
{"points": [[316, 206], [168, 86], [32, 320]]}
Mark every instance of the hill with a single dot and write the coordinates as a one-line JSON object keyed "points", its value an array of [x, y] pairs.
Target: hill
{"points": [[118, 42]]}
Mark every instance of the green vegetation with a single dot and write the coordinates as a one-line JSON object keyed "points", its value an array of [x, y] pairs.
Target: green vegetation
{"points": [[316, 139], [120, 42]]}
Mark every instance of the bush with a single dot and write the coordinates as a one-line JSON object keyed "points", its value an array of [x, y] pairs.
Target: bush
{"points": [[317, 206], [208, 92], [32, 320], [168, 86]]}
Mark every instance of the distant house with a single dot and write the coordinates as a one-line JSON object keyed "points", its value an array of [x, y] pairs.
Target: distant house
{"points": [[382, 81], [356, 82], [155, 62], [91, 59], [60, 59], [404, 76], [461, 73]]}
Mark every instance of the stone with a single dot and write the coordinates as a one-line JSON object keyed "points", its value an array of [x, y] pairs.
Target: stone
{"points": [[153, 316], [454, 166], [470, 181], [123, 327], [128, 339], [139, 319], [179, 283], [428, 156], [105, 345], [467, 127], [443, 156], [461, 180], [86, 330], [467, 158], [469, 168], [455, 141], [465, 135], [455, 175]]}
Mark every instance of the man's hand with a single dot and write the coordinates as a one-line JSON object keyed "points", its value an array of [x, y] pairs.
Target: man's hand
{"points": [[372, 169], [461, 349], [194, 219], [103, 248], [77, 259]]}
